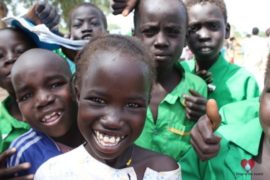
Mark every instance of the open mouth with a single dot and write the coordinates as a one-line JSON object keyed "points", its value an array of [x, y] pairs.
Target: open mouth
{"points": [[86, 36], [205, 49], [106, 141], [51, 118]]}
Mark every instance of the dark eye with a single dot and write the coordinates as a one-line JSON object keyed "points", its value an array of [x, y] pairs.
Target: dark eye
{"points": [[214, 26], [95, 23], [133, 105], [193, 28], [173, 31], [20, 49], [97, 100], [56, 85], [25, 97], [77, 24], [149, 32]]}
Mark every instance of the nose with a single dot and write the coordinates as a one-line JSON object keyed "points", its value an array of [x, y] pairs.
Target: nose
{"points": [[203, 33], [11, 58], [112, 120], [43, 99], [161, 40], [87, 27]]}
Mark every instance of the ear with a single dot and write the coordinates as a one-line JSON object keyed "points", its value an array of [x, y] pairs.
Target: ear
{"points": [[227, 31]]}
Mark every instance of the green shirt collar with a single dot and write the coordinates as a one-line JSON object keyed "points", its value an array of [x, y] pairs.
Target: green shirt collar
{"points": [[244, 135], [7, 118]]}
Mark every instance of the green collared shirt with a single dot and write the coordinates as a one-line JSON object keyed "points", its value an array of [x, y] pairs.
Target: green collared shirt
{"points": [[232, 82], [237, 126], [10, 128], [234, 149], [170, 133]]}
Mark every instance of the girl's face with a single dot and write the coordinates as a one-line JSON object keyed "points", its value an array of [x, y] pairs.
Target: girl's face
{"points": [[112, 101], [12, 45]]}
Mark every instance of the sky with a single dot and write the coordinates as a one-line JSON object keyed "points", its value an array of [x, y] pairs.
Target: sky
{"points": [[245, 14]]}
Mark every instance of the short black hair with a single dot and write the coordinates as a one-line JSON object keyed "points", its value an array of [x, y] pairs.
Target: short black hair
{"points": [[113, 43], [136, 11], [255, 31], [219, 3]]}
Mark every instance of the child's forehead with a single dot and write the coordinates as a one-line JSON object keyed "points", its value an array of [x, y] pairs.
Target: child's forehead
{"points": [[161, 9], [205, 7], [84, 11], [11, 33]]}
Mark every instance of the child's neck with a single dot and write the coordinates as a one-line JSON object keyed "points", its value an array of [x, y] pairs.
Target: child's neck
{"points": [[169, 78], [205, 63], [13, 108], [73, 138], [124, 160]]}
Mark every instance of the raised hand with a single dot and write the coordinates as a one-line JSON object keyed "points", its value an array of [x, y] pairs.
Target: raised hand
{"points": [[10, 173], [123, 7], [195, 105], [203, 139], [44, 13]]}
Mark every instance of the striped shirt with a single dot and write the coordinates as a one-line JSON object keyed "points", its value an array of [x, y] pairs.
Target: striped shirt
{"points": [[34, 147]]}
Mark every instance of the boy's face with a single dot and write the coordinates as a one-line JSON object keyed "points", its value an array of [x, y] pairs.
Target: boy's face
{"points": [[265, 109], [12, 45], [86, 23], [43, 93], [207, 30], [112, 102], [161, 25]]}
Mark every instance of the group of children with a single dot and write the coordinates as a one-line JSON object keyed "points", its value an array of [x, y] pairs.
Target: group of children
{"points": [[131, 108]]}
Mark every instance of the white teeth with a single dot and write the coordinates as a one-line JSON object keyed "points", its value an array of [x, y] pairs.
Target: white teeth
{"points": [[52, 116], [106, 140]]}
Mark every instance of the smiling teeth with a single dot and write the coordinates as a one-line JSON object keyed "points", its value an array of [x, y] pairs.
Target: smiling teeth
{"points": [[51, 116], [106, 140]]}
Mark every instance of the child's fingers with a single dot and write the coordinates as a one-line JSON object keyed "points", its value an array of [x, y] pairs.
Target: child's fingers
{"points": [[15, 169], [212, 113], [194, 93], [130, 6], [27, 177], [6, 154]]}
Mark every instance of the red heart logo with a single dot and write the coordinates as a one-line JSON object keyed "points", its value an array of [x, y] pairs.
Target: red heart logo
{"points": [[248, 165]]}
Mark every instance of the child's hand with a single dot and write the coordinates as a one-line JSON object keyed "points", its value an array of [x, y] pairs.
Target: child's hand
{"points": [[123, 7], [203, 140], [44, 13], [205, 75], [7, 173], [195, 105]]}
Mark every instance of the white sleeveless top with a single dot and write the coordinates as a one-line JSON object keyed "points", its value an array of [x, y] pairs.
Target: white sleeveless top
{"points": [[78, 164]]}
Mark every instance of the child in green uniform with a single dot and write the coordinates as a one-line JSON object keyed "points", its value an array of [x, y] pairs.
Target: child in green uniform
{"points": [[12, 45], [242, 155], [207, 30], [161, 26]]}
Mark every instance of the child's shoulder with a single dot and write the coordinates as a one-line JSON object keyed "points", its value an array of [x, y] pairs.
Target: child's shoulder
{"points": [[154, 160]]}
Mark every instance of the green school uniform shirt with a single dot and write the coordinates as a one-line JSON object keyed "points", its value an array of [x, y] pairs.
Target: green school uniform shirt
{"points": [[234, 151], [10, 128], [232, 82], [170, 133], [240, 117]]}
